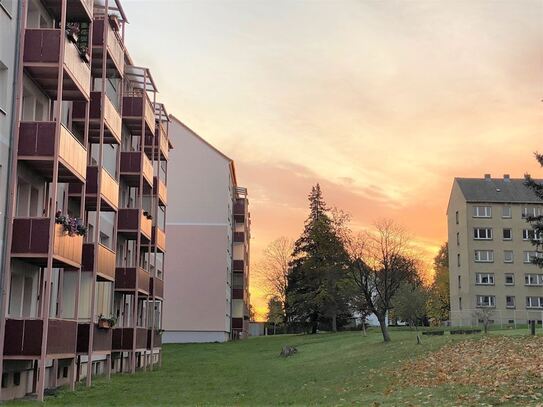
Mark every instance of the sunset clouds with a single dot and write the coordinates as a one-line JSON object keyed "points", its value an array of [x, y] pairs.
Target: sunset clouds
{"points": [[383, 103]]}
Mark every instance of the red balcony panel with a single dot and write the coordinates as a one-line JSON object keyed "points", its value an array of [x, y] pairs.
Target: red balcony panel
{"points": [[106, 260], [239, 237], [112, 118], [76, 10], [156, 287], [127, 277], [237, 323], [238, 266], [61, 337], [132, 221], [42, 46], [135, 108], [156, 339], [237, 293], [133, 165], [123, 339], [115, 50], [102, 338]]}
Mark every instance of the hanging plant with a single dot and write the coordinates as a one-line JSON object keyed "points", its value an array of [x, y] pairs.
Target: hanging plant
{"points": [[73, 226]]}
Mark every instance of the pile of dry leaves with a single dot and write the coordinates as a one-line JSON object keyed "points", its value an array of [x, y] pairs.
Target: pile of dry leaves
{"points": [[505, 367]]}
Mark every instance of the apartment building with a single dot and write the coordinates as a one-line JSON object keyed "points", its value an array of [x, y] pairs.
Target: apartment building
{"points": [[208, 229], [83, 276], [490, 251]]}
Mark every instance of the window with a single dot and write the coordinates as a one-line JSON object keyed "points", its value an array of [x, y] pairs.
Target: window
{"points": [[458, 259], [531, 255], [458, 238], [528, 234], [506, 211], [509, 279], [534, 302], [482, 211], [457, 220], [508, 256], [484, 256], [65, 371], [482, 233], [486, 301], [510, 301], [533, 279], [5, 379], [17, 378], [528, 211], [459, 281], [484, 279], [507, 234], [460, 303]]}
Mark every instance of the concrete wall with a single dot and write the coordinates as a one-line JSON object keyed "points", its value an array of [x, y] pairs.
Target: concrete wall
{"points": [[197, 272]]}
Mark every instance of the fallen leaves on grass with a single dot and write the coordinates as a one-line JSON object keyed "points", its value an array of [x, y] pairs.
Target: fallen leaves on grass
{"points": [[502, 368]]}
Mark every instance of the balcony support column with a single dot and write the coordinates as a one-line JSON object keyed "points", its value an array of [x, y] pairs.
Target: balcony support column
{"points": [[98, 195], [46, 283], [72, 373]]}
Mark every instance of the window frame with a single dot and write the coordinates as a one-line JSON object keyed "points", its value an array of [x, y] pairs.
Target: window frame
{"points": [[510, 211], [477, 235], [514, 305], [486, 209], [512, 256], [489, 259], [512, 275], [479, 277], [510, 234], [491, 302]]}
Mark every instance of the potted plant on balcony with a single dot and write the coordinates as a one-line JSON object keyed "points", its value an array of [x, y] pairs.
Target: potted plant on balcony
{"points": [[105, 322], [73, 226]]}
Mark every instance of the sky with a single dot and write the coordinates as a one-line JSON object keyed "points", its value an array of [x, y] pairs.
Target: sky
{"points": [[381, 102]]}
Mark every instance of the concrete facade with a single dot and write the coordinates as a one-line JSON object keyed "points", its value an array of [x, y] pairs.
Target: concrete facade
{"points": [[199, 304], [490, 251]]}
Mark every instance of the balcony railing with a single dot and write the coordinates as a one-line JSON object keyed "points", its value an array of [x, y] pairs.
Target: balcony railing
{"points": [[76, 10], [156, 287], [126, 279], [158, 238], [160, 190], [137, 106], [133, 220], [30, 239], [113, 44], [105, 262], [102, 338], [123, 338], [109, 189], [23, 337], [112, 118], [156, 339], [37, 145], [42, 53], [239, 237], [239, 210], [134, 163], [237, 293], [238, 266]]}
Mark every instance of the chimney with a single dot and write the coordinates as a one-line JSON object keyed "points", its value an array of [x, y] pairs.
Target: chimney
{"points": [[506, 178], [487, 177]]}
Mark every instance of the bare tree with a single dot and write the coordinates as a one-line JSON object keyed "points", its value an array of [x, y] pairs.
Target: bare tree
{"points": [[484, 315], [274, 268], [381, 261]]}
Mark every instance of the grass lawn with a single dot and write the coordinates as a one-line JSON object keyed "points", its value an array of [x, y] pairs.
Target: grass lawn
{"points": [[344, 368]]}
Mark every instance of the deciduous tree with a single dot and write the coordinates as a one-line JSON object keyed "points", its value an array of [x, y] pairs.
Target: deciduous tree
{"points": [[439, 304]]}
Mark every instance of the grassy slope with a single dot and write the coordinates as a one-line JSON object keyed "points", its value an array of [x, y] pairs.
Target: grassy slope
{"points": [[340, 368]]}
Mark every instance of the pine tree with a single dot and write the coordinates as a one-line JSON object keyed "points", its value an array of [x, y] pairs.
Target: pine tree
{"points": [[439, 301], [316, 283]]}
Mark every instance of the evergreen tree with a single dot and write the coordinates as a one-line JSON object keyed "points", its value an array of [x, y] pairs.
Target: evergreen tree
{"points": [[316, 285], [536, 221], [439, 304]]}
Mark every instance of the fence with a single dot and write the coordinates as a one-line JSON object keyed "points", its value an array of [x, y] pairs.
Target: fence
{"points": [[498, 318]]}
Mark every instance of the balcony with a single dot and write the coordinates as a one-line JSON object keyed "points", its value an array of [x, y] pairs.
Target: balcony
{"points": [[112, 118], [132, 221], [160, 190], [239, 237], [238, 294], [105, 262], [158, 239], [134, 164], [41, 59], [156, 288], [37, 148], [238, 266], [123, 339], [76, 10], [23, 337], [239, 210], [101, 340], [154, 339], [31, 240], [237, 323], [137, 111], [114, 49], [160, 143], [126, 279]]}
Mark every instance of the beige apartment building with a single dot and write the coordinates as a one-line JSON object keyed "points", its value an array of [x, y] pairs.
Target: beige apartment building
{"points": [[490, 251], [207, 272]]}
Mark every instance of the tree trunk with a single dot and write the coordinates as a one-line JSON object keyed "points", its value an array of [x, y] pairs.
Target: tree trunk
{"points": [[274, 328], [384, 328], [363, 327], [314, 327], [334, 323]]}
